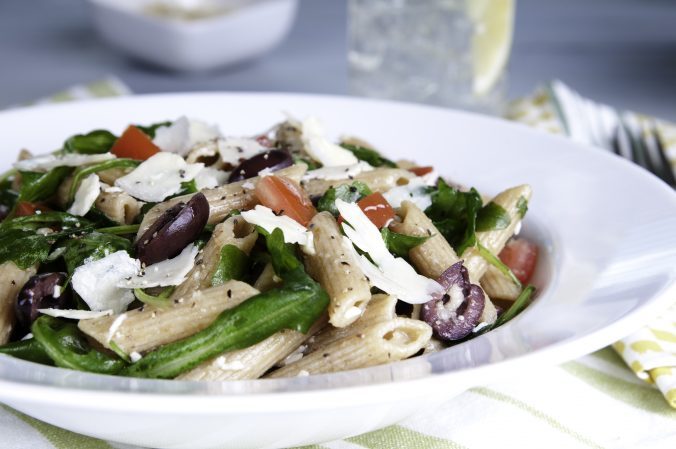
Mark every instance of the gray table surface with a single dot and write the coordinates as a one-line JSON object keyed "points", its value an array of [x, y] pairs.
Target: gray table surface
{"points": [[619, 51]]}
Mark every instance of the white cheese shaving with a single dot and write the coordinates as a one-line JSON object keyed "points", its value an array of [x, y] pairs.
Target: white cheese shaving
{"points": [[391, 274], [96, 282], [209, 178], [112, 330], [86, 195], [110, 189], [293, 231], [28, 336], [414, 191], [57, 291], [235, 365], [183, 134], [338, 172], [47, 162], [135, 357], [233, 150], [158, 177], [321, 149], [165, 273], [75, 314]]}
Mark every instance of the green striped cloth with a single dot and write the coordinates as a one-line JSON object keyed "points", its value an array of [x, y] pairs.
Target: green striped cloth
{"points": [[592, 402]]}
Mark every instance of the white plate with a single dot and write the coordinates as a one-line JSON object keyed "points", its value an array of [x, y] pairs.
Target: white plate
{"points": [[608, 247]]}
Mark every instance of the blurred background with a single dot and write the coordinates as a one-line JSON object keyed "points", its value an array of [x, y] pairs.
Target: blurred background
{"points": [[621, 52]]}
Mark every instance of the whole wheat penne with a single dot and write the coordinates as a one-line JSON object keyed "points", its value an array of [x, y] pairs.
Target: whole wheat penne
{"points": [[499, 286], [337, 272], [267, 280], [379, 179], [110, 176], [120, 207], [233, 231], [383, 342], [148, 327], [223, 199], [12, 280]]}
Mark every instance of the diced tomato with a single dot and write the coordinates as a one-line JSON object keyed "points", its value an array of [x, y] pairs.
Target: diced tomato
{"points": [[421, 171], [377, 209], [24, 209], [285, 197], [134, 144], [520, 255]]}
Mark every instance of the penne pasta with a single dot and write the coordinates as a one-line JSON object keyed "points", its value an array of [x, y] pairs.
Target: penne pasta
{"points": [[267, 280], [337, 272], [499, 286], [12, 280], [119, 207]]}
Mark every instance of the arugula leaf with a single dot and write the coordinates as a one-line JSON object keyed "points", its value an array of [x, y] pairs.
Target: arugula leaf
{"points": [[348, 193], [24, 248], [121, 229], [62, 220], [29, 349], [492, 217], [83, 172], [233, 264], [401, 244], [92, 246], [40, 186], [454, 213], [160, 300], [311, 165], [517, 307], [497, 263], [368, 155], [96, 142], [522, 206], [150, 130], [282, 254]]}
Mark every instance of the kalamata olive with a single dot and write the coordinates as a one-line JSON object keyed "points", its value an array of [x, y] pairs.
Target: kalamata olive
{"points": [[173, 230], [42, 291], [273, 159], [457, 313]]}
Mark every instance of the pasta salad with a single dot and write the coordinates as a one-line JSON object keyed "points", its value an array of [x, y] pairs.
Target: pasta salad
{"points": [[175, 251]]}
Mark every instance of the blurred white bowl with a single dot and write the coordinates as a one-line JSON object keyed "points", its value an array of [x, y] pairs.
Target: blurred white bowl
{"points": [[246, 32]]}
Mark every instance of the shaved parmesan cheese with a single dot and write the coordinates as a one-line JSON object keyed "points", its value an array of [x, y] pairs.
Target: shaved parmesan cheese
{"points": [[391, 274], [165, 273], [293, 231], [338, 172], [234, 150], [183, 134], [75, 314], [321, 149], [209, 178], [96, 282], [86, 195], [158, 177], [414, 191], [49, 161]]}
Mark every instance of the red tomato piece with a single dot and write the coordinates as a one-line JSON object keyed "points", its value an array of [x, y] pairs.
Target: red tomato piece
{"points": [[520, 255], [285, 197], [421, 171], [377, 209], [24, 209], [134, 144]]}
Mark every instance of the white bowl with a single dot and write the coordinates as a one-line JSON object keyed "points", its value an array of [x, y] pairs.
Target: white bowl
{"points": [[608, 265], [244, 34]]}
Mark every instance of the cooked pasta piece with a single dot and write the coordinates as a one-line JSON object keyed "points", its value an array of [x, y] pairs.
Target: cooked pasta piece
{"points": [[120, 207], [499, 286], [148, 327], [337, 272], [267, 280], [383, 342], [234, 231], [12, 280], [223, 199], [110, 176], [379, 180]]}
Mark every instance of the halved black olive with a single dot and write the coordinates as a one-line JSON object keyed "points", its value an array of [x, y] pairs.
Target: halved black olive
{"points": [[39, 293], [273, 159], [173, 230]]}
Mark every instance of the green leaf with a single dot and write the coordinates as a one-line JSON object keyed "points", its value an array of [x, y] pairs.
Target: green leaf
{"points": [[96, 142], [150, 130], [61, 220], [40, 186], [492, 217], [517, 307], [233, 264], [83, 172], [161, 300], [454, 213], [522, 206], [69, 348], [188, 187], [401, 244], [311, 165], [29, 349], [349, 193], [91, 246], [497, 263], [282, 254], [368, 155], [120, 230]]}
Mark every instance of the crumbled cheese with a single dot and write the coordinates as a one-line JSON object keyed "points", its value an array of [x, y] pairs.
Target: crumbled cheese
{"points": [[85, 196], [209, 178], [480, 326], [28, 336], [303, 373], [338, 172], [267, 171], [47, 162], [321, 149], [293, 231], [183, 134], [96, 281], [57, 291], [75, 314], [112, 189], [165, 273], [135, 357], [249, 185], [112, 330], [391, 274], [44, 231], [233, 150], [352, 312], [235, 365], [158, 177], [517, 228], [414, 191]]}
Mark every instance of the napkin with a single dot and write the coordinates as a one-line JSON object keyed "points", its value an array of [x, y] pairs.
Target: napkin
{"points": [[556, 108], [574, 406]]}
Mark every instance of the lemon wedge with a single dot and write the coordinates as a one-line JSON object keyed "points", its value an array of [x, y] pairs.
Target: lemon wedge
{"points": [[493, 29]]}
